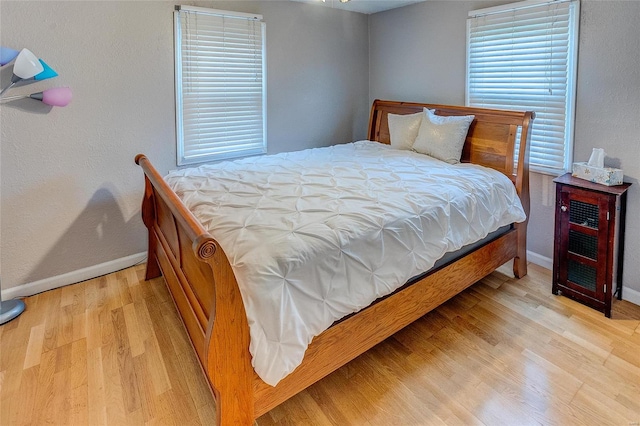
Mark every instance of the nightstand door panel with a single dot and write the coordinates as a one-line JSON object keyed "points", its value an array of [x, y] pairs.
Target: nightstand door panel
{"points": [[583, 236]]}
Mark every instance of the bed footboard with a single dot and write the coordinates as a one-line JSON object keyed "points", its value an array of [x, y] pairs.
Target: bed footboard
{"points": [[205, 292]]}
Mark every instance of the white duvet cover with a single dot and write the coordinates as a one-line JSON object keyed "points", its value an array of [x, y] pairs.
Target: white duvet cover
{"points": [[318, 234]]}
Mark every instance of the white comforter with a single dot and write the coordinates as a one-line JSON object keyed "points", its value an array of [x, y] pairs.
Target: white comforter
{"points": [[318, 234]]}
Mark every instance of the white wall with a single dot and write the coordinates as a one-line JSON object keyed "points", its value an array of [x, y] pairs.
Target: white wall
{"points": [[70, 190], [418, 53]]}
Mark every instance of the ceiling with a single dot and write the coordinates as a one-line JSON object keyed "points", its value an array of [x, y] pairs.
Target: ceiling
{"points": [[362, 6]]}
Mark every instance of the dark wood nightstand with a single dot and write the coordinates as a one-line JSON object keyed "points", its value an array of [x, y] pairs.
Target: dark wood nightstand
{"points": [[589, 241]]}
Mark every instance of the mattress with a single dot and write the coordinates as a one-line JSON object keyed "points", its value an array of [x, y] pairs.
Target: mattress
{"points": [[315, 235]]}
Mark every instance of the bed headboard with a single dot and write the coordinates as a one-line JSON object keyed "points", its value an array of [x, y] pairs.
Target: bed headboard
{"points": [[490, 142]]}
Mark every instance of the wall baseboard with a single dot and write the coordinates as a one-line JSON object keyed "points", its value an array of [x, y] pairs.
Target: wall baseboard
{"points": [[90, 272], [631, 295], [540, 260], [628, 294], [72, 277]]}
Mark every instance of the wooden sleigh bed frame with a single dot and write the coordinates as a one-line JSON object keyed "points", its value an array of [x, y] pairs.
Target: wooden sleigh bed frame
{"points": [[206, 294]]}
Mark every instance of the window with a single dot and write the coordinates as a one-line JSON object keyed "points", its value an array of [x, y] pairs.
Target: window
{"points": [[220, 84], [523, 56]]}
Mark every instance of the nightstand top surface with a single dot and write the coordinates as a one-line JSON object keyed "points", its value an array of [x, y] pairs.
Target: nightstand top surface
{"points": [[567, 179]]}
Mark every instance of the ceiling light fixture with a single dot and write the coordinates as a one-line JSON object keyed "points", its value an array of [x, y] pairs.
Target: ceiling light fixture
{"points": [[341, 1]]}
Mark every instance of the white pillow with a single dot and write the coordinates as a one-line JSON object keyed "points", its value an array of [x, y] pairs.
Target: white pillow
{"points": [[403, 129], [442, 137]]}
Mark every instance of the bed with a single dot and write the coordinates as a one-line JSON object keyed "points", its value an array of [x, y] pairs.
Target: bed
{"points": [[207, 295]]}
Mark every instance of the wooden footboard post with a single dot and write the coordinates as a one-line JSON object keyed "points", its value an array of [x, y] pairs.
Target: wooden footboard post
{"points": [[522, 187], [148, 217], [520, 261], [228, 358]]}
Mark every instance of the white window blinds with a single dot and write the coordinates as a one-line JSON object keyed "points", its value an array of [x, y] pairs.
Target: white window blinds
{"points": [[523, 56], [220, 84]]}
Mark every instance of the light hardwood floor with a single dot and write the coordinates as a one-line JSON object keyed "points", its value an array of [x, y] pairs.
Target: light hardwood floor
{"points": [[112, 351]]}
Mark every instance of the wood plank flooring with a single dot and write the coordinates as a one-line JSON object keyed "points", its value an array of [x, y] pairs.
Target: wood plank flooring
{"points": [[505, 352]]}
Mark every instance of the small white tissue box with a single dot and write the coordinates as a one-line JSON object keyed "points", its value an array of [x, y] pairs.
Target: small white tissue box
{"points": [[602, 175]]}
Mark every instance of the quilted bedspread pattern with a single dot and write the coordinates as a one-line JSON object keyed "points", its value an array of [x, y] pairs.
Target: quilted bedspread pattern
{"points": [[318, 234]]}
